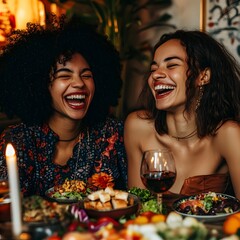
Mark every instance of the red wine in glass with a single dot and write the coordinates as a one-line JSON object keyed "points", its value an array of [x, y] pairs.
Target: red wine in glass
{"points": [[159, 182], [158, 172]]}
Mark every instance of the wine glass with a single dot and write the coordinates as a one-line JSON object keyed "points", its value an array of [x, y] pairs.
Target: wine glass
{"points": [[158, 172]]}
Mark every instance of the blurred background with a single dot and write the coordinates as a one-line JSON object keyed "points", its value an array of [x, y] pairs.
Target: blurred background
{"points": [[133, 26]]}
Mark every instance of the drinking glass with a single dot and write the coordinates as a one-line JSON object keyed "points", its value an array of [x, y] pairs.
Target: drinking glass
{"points": [[158, 172]]}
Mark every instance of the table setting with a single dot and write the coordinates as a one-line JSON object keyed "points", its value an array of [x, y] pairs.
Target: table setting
{"points": [[72, 211], [58, 220]]}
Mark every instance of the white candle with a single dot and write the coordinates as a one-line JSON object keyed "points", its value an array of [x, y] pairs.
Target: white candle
{"points": [[16, 211]]}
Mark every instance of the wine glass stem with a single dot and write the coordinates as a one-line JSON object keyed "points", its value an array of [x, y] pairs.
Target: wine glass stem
{"points": [[159, 201]]}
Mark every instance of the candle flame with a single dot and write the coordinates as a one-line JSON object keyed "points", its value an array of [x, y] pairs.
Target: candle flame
{"points": [[10, 150]]}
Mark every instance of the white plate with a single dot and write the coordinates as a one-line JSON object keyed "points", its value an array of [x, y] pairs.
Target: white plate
{"points": [[206, 218]]}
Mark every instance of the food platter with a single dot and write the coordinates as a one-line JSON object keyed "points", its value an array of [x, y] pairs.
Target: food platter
{"points": [[223, 205], [66, 197], [37, 211], [70, 191], [113, 213]]}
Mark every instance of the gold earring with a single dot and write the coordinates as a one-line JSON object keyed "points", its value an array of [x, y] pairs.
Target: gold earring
{"points": [[199, 97]]}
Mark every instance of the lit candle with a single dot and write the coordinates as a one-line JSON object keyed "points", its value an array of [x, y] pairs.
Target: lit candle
{"points": [[16, 212]]}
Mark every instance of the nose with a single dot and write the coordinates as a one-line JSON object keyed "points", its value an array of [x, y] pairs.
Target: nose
{"points": [[158, 74], [77, 82]]}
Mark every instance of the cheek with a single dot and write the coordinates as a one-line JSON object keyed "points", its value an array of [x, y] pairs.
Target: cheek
{"points": [[150, 82], [151, 85], [91, 87], [56, 89]]}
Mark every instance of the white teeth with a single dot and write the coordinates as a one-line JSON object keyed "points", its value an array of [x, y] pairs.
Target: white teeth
{"points": [[76, 104], [160, 87], [77, 97]]}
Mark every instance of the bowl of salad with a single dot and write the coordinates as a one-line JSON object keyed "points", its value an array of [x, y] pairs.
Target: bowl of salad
{"points": [[71, 191], [207, 207]]}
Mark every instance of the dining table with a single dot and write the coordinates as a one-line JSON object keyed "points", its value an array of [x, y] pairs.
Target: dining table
{"points": [[215, 227]]}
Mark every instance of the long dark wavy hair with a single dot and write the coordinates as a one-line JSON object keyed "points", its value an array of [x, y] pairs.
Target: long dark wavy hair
{"points": [[30, 55], [221, 97]]}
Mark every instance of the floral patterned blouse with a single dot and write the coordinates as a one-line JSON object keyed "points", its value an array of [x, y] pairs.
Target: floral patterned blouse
{"points": [[98, 159]]}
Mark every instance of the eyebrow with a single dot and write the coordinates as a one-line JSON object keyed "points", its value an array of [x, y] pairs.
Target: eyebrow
{"points": [[168, 59], [70, 71]]}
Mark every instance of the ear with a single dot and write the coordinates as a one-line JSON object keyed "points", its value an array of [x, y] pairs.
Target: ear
{"points": [[204, 77]]}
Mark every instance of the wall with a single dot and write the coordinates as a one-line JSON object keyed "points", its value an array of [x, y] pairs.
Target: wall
{"points": [[186, 14]]}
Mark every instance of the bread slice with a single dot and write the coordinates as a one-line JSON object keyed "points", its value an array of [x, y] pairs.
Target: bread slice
{"points": [[99, 206], [119, 203], [107, 205], [95, 195], [110, 190], [121, 195], [104, 197], [90, 204]]}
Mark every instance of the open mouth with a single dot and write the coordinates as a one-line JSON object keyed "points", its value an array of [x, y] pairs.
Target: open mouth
{"points": [[76, 100], [163, 89]]}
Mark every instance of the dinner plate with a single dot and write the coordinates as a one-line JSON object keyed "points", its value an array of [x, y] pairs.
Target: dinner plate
{"points": [[114, 213], [207, 218], [63, 199], [39, 212]]}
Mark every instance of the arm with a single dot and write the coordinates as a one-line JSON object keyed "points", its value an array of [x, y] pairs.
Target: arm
{"points": [[133, 135], [228, 143]]}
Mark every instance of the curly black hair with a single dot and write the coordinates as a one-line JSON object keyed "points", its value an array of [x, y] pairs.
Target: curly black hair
{"points": [[26, 62], [221, 99]]}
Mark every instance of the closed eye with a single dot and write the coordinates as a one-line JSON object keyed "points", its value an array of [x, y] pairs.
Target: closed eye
{"points": [[87, 76], [152, 70], [63, 77], [172, 65]]}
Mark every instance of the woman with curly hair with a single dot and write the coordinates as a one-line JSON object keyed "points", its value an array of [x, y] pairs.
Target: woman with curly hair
{"points": [[192, 107], [61, 82]]}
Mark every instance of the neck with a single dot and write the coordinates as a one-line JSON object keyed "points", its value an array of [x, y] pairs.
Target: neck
{"points": [[66, 130], [189, 135], [70, 139]]}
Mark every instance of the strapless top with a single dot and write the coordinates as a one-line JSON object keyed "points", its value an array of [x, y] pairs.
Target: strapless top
{"points": [[219, 183]]}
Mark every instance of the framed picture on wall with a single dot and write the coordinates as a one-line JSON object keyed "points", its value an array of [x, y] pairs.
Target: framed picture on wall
{"points": [[221, 18]]}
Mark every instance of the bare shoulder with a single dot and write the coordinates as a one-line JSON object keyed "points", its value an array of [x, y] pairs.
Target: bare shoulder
{"points": [[228, 137], [137, 120], [229, 129]]}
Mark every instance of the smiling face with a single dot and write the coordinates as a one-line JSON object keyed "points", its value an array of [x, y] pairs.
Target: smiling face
{"points": [[168, 76], [72, 88]]}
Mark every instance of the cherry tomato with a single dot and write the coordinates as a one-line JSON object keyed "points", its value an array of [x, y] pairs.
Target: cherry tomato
{"points": [[108, 220], [148, 214], [54, 237]]}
